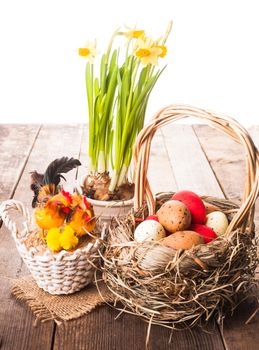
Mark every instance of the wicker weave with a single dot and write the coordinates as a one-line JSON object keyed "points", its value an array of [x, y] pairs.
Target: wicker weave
{"points": [[57, 273], [174, 288]]}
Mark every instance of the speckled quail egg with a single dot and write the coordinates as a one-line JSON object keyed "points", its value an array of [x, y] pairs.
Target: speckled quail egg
{"points": [[149, 230], [218, 221]]}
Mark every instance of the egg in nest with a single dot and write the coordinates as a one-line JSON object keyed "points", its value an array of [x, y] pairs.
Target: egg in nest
{"points": [[149, 230], [174, 216]]}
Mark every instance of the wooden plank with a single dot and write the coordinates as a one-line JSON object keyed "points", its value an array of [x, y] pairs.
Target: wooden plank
{"points": [[190, 166], [237, 334], [254, 132], [227, 157], [100, 330], [160, 172], [16, 142], [196, 338], [17, 328], [82, 170], [17, 321]]}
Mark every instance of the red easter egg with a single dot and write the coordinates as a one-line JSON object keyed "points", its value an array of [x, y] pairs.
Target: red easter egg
{"points": [[152, 217], [206, 232], [195, 205]]}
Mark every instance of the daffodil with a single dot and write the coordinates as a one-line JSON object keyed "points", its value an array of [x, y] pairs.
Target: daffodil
{"points": [[68, 240], [133, 33], [164, 50], [89, 51], [147, 52], [53, 239]]}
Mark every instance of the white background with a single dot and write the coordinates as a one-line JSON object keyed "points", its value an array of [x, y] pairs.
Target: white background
{"points": [[213, 59]]}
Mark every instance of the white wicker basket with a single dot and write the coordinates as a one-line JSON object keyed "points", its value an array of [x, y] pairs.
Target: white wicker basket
{"points": [[57, 273]]}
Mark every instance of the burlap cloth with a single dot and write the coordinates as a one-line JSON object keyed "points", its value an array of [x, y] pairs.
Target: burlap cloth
{"points": [[62, 307]]}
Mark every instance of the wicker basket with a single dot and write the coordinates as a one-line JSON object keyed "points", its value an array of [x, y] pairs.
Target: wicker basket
{"points": [[175, 289], [57, 273]]}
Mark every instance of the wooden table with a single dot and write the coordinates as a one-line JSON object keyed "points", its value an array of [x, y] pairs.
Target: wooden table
{"points": [[183, 156]]}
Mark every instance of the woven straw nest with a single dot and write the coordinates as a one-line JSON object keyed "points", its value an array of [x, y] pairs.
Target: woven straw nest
{"points": [[179, 288]]}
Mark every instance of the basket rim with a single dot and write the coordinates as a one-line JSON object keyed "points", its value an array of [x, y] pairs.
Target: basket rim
{"points": [[33, 252]]}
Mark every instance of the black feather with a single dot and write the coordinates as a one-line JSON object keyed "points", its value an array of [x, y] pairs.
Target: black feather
{"points": [[57, 167], [36, 178], [36, 184], [52, 175]]}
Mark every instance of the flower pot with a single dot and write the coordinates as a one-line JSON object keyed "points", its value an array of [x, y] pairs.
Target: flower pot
{"points": [[106, 210]]}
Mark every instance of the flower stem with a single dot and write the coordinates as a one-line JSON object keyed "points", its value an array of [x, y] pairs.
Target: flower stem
{"points": [[113, 182], [101, 162], [122, 177]]}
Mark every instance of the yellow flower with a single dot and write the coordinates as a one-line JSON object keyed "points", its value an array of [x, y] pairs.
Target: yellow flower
{"points": [[89, 51], [68, 240], [164, 50], [53, 239], [147, 52], [133, 33]]}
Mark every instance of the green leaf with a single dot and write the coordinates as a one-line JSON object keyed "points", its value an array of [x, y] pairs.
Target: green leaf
{"points": [[96, 86], [103, 73]]}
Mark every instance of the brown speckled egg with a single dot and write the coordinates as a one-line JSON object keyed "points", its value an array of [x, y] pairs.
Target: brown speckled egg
{"points": [[182, 240], [174, 216]]}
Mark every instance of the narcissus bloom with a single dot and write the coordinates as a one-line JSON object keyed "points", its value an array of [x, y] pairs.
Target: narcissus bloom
{"points": [[89, 51], [133, 33], [147, 52]]}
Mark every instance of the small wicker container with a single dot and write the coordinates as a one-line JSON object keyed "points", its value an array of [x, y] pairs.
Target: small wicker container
{"points": [[178, 288], [57, 273]]}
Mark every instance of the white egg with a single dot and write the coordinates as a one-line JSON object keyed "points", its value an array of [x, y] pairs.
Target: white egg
{"points": [[218, 221], [149, 230]]}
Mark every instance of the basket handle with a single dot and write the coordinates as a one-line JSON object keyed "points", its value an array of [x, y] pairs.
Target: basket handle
{"points": [[12, 204], [220, 122]]}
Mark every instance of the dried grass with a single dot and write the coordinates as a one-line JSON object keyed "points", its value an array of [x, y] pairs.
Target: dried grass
{"points": [[176, 289]]}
